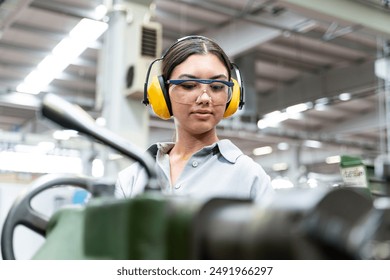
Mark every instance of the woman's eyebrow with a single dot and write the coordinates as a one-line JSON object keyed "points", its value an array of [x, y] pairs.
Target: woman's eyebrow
{"points": [[219, 77], [189, 76]]}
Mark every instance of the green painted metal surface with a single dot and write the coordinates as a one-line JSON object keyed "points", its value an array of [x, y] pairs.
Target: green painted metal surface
{"points": [[147, 227]]}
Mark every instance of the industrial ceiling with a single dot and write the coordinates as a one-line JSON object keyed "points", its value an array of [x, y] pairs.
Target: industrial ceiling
{"points": [[289, 52]]}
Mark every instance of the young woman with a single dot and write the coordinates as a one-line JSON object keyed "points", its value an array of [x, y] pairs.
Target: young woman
{"points": [[197, 90]]}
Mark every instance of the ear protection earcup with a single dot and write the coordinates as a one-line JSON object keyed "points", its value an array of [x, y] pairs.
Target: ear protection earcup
{"points": [[234, 103], [158, 98], [161, 105]]}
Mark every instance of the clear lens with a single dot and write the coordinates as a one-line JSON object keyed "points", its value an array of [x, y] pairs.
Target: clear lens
{"points": [[188, 91]]}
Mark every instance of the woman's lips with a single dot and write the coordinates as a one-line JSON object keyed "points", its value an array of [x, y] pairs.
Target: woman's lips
{"points": [[202, 114]]}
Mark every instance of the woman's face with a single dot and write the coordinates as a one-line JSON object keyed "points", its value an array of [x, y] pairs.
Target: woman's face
{"points": [[203, 113]]}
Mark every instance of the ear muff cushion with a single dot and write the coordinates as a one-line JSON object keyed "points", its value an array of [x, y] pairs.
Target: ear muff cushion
{"points": [[235, 101], [157, 99]]}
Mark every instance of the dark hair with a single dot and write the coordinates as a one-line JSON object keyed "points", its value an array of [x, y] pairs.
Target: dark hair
{"points": [[188, 46]]}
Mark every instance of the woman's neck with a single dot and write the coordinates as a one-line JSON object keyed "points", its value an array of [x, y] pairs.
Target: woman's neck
{"points": [[186, 145]]}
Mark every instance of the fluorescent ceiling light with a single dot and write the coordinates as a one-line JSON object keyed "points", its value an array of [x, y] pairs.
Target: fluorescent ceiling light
{"points": [[312, 183], [97, 168], [283, 146], [282, 166], [272, 114], [382, 68], [345, 96], [100, 121], [321, 104], [312, 143], [101, 11], [272, 119], [298, 108], [64, 134], [333, 159], [282, 183], [79, 39], [39, 163], [321, 107], [42, 148], [262, 151]]}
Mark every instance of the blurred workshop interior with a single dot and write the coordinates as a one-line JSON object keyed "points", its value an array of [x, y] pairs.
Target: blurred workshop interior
{"points": [[316, 78]]}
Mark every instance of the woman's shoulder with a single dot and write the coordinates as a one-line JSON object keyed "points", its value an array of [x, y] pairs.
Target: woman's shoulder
{"points": [[130, 170], [234, 155]]}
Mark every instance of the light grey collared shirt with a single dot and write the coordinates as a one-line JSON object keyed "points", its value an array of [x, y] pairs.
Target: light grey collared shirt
{"points": [[218, 170]]}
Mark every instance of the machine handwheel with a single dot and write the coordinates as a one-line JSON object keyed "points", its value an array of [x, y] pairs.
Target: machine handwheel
{"points": [[21, 212]]}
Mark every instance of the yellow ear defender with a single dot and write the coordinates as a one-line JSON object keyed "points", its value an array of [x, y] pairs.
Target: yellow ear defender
{"points": [[234, 103], [158, 98], [156, 94]]}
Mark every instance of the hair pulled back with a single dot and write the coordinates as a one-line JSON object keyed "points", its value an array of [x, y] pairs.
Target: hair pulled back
{"points": [[188, 46]]}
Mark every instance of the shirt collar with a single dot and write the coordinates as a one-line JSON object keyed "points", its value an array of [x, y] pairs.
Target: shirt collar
{"points": [[227, 149]]}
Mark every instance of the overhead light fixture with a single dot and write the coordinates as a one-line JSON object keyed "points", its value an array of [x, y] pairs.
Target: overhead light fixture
{"points": [[282, 166], [312, 182], [321, 107], [39, 163], [321, 104], [382, 68], [281, 183], [262, 151], [79, 39], [100, 121], [97, 168], [100, 11], [283, 146], [312, 144], [41, 148], [272, 119], [298, 108], [333, 159], [64, 134], [345, 96]]}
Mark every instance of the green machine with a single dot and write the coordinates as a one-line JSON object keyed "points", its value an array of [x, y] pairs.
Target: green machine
{"points": [[147, 227], [329, 223], [153, 226]]}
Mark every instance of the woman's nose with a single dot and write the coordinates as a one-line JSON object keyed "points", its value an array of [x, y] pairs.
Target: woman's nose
{"points": [[203, 98]]}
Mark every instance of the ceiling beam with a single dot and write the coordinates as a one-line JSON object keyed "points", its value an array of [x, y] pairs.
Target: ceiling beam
{"points": [[330, 83], [253, 28], [64, 8], [350, 11], [361, 122], [10, 11], [56, 36], [33, 51]]}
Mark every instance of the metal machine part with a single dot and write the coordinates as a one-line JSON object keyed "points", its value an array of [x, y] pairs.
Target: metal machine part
{"points": [[338, 223], [22, 213]]}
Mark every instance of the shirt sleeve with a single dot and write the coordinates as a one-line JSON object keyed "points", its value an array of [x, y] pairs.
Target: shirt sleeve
{"points": [[262, 190], [131, 181]]}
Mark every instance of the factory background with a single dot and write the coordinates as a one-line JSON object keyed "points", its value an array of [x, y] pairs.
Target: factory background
{"points": [[316, 76]]}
